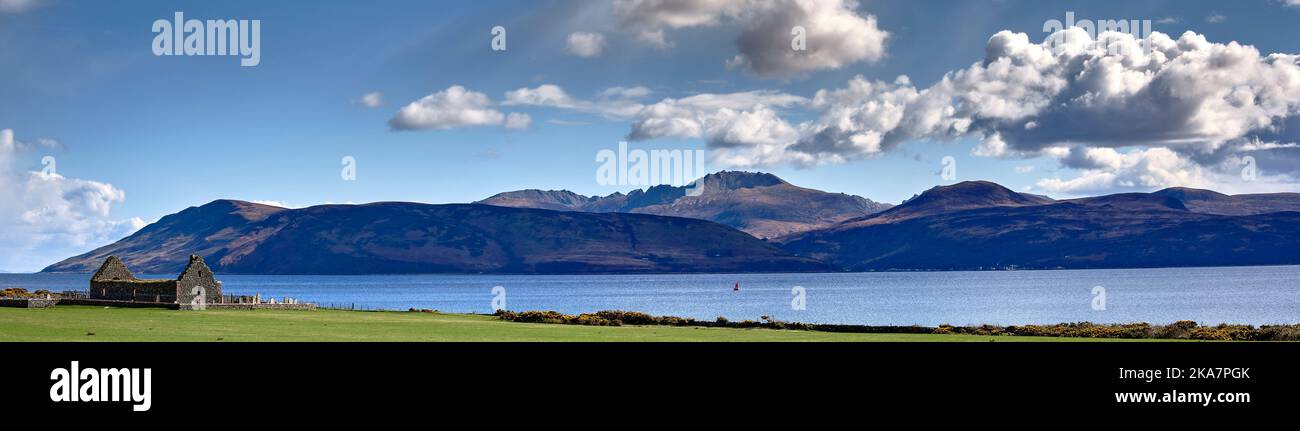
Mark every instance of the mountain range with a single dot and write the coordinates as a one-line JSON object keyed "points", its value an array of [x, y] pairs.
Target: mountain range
{"points": [[982, 225], [398, 237], [727, 222], [760, 204]]}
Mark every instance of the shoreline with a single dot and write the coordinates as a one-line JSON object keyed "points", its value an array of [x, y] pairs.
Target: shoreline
{"points": [[1180, 330], [94, 323]]}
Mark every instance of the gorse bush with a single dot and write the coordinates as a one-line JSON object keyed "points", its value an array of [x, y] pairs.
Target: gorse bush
{"points": [[1180, 330], [630, 317], [557, 318]]}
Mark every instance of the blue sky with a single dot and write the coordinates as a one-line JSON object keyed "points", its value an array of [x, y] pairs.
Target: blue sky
{"points": [[138, 136]]}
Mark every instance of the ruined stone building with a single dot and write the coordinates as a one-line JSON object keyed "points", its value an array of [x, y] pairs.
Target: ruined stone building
{"points": [[115, 282]]}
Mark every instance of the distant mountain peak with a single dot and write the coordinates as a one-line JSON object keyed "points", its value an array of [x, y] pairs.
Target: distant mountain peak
{"points": [[758, 203], [1187, 193], [250, 211], [731, 180], [975, 194], [562, 200], [943, 199]]}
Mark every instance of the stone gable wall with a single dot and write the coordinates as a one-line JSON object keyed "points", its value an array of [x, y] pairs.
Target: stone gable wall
{"points": [[195, 279], [113, 270]]}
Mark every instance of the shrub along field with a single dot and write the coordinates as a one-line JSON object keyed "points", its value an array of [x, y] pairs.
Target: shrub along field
{"points": [[1180, 330], [85, 323]]}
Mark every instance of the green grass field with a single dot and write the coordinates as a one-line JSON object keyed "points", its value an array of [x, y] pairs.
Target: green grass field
{"points": [[86, 323]]}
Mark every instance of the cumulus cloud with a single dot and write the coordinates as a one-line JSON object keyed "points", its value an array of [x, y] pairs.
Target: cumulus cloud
{"points": [[1190, 95], [452, 108], [371, 100], [586, 44], [1159, 111], [1125, 113], [1107, 169], [742, 129], [703, 115], [1023, 99], [615, 102], [48, 217], [836, 34]]}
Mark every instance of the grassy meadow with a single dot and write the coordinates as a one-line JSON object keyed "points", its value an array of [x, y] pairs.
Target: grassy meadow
{"points": [[87, 323]]}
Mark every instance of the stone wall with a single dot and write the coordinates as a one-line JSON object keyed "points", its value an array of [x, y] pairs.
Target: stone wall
{"points": [[134, 290], [263, 306], [114, 303], [197, 279], [28, 302]]}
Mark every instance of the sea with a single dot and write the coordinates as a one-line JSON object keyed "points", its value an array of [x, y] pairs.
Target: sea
{"points": [[1248, 295]]}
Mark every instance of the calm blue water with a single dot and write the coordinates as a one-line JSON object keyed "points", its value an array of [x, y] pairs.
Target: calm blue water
{"points": [[1253, 295]]}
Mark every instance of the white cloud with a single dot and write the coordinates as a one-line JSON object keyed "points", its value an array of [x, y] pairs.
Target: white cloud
{"points": [[48, 217], [1216, 18], [1178, 110], [1189, 95], [1108, 170], [452, 108], [674, 13], [836, 34], [703, 115], [371, 100], [649, 121], [543, 95], [273, 203], [586, 44], [1186, 105], [616, 102], [634, 92], [518, 121], [991, 146], [8, 144]]}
